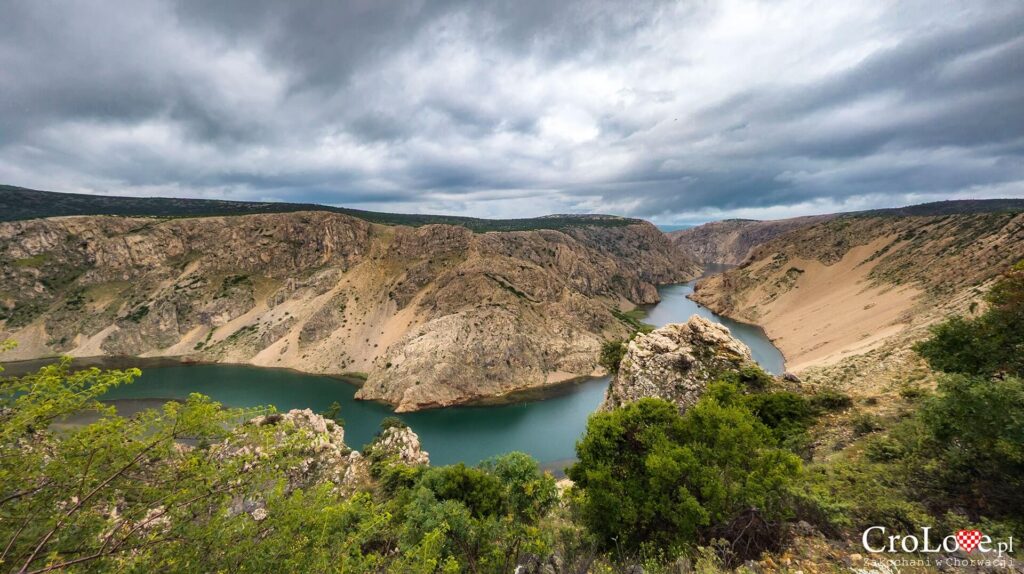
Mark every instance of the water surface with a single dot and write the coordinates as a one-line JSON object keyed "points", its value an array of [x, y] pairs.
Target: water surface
{"points": [[546, 429], [675, 308]]}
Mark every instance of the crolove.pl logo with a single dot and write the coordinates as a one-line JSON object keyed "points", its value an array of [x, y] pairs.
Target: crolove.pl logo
{"points": [[876, 541]]}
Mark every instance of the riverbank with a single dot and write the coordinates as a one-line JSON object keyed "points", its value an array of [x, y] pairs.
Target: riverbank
{"points": [[544, 422]]}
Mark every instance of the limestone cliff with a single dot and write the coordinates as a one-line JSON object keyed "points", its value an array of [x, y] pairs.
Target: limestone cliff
{"points": [[676, 363], [730, 241], [432, 315], [853, 292]]}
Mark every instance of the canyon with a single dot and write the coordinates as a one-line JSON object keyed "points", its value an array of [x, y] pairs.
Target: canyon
{"points": [[426, 316], [844, 297]]}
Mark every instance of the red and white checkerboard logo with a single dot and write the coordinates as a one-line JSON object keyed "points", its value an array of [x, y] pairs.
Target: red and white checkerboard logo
{"points": [[968, 539]]}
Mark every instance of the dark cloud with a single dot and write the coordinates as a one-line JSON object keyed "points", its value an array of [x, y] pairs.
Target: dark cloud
{"points": [[673, 110]]}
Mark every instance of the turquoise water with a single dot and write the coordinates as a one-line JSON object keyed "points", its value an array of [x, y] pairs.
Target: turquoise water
{"points": [[546, 429], [676, 308]]}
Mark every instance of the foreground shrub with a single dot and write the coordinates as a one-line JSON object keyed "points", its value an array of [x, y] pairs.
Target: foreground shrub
{"points": [[969, 448], [830, 400], [751, 377], [650, 475]]}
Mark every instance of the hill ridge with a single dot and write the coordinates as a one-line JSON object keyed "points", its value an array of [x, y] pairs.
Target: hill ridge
{"points": [[20, 203]]}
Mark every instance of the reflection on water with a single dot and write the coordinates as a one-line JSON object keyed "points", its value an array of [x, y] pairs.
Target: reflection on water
{"points": [[546, 429]]}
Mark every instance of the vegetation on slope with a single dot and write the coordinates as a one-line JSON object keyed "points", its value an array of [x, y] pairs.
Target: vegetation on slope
{"points": [[17, 203], [726, 481]]}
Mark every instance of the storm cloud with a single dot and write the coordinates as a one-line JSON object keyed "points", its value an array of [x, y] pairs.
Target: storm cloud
{"points": [[675, 111]]}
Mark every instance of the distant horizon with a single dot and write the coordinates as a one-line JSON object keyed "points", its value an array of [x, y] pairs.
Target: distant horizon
{"points": [[665, 227], [672, 112]]}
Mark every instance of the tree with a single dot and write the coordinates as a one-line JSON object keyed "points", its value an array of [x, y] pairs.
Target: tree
{"points": [[117, 487], [651, 475], [989, 344], [131, 494], [612, 353], [969, 451], [333, 412]]}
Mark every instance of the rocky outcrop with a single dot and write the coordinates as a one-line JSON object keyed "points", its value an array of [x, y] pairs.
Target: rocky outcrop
{"points": [[433, 315], [676, 363], [400, 444], [316, 450], [730, 241], [321, 455]]}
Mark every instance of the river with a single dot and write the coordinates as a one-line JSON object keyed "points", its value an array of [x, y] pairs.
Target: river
{"points": [[546, 429]]}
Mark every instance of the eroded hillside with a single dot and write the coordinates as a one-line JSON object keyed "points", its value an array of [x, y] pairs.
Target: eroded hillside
{"points": [[729, 241], [840, 290], [434, 315]]}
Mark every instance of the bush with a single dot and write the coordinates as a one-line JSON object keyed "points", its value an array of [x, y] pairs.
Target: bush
{"points": [[991, 343], [392, 422], [913, 392], [970, 448], [333, 413], [750, 377], [477, 490], [854, 495], [864, 423], [784, 412], [883, 449], [651, 475], [612, 353], [830, 400]]}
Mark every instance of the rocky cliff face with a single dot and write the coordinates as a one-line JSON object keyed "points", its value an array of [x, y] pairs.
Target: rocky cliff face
{"points": [[433, 316], [676, 363], [867, 285], [730, 241]]}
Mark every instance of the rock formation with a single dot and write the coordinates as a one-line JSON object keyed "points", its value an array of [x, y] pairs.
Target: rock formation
{"points": [[319, 455], [429, 316], [730, 241], [676, 363], [399, 443], [322, 457], [859, 284]]}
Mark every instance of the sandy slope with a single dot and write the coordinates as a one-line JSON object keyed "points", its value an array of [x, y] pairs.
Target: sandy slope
{"points": [[853, 286], [834, 311]]}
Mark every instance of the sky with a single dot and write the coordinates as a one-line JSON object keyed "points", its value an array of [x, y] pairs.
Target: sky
{"points": [[678, 112]]}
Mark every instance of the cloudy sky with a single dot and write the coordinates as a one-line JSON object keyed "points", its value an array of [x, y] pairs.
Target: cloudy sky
{"points": [[674, 111]]}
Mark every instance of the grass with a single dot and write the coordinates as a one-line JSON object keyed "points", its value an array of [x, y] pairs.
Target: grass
{"points": [[633, 319], [34, 261]]}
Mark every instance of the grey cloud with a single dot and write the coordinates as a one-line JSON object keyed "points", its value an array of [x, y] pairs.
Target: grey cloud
{"points": [[577, 105]]}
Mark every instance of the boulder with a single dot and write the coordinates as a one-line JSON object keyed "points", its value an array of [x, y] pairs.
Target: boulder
{"points": [[676, 363]]}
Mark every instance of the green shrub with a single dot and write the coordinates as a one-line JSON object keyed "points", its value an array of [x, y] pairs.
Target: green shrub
{"points": [[333, 413], [830, 400], [392, 422], [864, 423], [476, 489], [988, 344], [750, 377], [883, 449], [854, 495], [913, 392], [651, 475], [783, 411], [970, 446], [612, 353]]}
